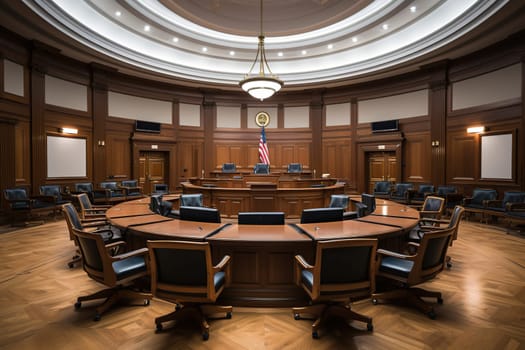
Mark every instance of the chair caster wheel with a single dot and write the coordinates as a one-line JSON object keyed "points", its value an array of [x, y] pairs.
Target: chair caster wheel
{"points": [[146, 302], [205, 336], [315, 335], [97, 318], [70, 265], [432, 315], [374, 301], [440, 300], [228, 315], [369, 327], [78, 304], [159, 327], [296, 316]]}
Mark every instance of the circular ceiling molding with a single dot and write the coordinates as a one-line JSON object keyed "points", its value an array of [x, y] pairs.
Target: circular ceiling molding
{"points": [[308, 42]]}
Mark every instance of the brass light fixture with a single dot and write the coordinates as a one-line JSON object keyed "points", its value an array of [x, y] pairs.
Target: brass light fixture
{"points": [[261, 86]]}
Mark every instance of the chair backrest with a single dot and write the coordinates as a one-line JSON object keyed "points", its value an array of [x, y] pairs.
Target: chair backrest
{"points": [[343, 269], [129, 183], [160, 188], [201, 214], [159, 206], [400, 189], [425, 189], [72, 217], [295, 167], [51, 190], [455, 219], [84, 201], [370, 201], [338, 201], [433, 204], [321, 215], [191, 200], [109, 185], [382, 187], [261, 168], [183, 271], [513, 197], [481, 194], [13, 195], [444, 190], [83, 187], [229, 168], [261, 218]]}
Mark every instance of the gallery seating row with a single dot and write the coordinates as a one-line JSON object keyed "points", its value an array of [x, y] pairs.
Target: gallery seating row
{"points": [[109, 192]]}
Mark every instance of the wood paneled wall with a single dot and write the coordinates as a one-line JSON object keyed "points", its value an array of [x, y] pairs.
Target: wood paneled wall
{"points": [[433, 148]]}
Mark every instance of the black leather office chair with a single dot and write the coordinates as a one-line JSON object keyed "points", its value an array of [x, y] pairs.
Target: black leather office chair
{"points": [[20, 205], [400, 192], [89, 210], [476, 203], [261, 168], [382, 189], [117, 272], [321, 215], [160, 206], [132, 190], [342, 201], [55, 192], [411, 270], [415, 197], [344, 270], [182, 273], [261, 218], [370, 201]]}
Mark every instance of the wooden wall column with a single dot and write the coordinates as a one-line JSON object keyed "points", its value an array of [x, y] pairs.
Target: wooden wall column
{"points": [[316, 124], [100, 113], [208, 159]]}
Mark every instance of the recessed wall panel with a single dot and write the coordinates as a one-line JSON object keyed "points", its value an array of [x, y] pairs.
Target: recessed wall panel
{"points": [[189, 115], [13, 78], [338, 114], [297, 117], [411, 104], [139, 108], [228, 117], [63, 93]]}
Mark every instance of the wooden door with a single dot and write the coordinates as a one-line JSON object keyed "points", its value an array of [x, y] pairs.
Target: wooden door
{"points": [[153, 169], [382, 166]]}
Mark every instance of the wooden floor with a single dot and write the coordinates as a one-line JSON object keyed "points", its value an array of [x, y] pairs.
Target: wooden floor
{"points": [[484, 305]]}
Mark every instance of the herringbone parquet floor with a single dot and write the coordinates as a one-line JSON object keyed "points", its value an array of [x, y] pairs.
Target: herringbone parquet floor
{"points": [[484, 305]]}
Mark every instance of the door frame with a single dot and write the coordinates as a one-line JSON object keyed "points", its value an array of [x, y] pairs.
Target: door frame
{"points": [[378, 143], [147, 143]]}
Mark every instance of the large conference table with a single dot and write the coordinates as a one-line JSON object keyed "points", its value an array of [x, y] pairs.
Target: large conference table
{"points": [[262, 256]]}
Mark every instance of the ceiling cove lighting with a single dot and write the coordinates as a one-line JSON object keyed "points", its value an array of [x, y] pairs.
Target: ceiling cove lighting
{"points": [[261, 86]]}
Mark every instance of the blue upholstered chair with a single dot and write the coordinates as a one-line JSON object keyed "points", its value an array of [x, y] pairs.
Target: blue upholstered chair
{"points": [[343, 270], [400, 192], [370, 201], [321, 215], [20, 205], [342, 201], [295, 168], [229, 168], [117, 272], [451, 195], [497, 208], [477, 202], [182, 273], [261, 168], [418, 196], [54, 191], [201, 214], [132, 190], [382, 189], [111, 192]]}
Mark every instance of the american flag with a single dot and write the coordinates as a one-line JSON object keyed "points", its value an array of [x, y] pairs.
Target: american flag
{"points": [[264, 156]]}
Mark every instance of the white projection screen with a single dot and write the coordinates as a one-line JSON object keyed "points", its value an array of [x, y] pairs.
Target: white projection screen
{"points": [[66, 157], [496, 156]]}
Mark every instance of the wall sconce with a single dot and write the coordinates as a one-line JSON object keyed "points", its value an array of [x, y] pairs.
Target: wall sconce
{"points": [[101, 143], [476, 130], [68, 131], [435, 143]]}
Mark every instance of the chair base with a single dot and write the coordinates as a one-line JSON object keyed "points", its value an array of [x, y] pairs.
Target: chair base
{"points": [[112, 295], [322, 312], [197, 312], [412, 296]]}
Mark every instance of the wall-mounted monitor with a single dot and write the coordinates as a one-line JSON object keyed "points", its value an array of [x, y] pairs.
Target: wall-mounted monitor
{"points": [[385, 126], [144, 126]]}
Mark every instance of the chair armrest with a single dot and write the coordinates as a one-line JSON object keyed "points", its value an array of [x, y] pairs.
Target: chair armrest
{"points": [[300, 260], [220, 266], [493, 203], [137, 252], [93, 222], [395, 255], [515, 207]]}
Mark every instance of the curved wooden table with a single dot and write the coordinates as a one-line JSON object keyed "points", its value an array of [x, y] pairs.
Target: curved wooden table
{"points": [[262, 256]]}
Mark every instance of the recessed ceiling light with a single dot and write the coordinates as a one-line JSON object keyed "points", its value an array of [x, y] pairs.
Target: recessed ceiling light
{"points": [[118, 13], [232, 53], [280, 54], [175, 39], [354, 39], [147, 28], [385, 26], [303, 52], [204, 49], [413, 9], [330, 46]]}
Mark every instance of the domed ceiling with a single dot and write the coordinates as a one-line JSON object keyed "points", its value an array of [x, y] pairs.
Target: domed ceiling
{"points": [[308, 42]]}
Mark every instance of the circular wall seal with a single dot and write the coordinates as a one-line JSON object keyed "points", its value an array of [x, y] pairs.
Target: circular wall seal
{"points": [[262, 119]]}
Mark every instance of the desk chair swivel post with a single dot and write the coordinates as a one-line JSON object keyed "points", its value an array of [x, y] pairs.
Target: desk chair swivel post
{"points": [[117, 272], [183, 273], [344, 270], [410, 270]]}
